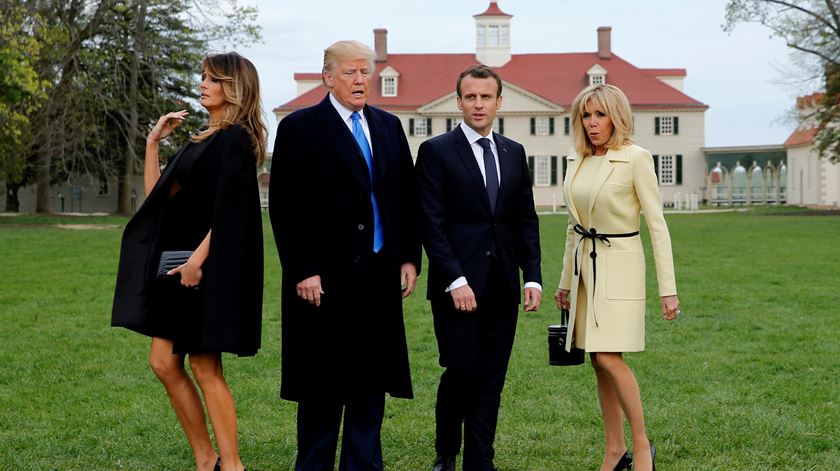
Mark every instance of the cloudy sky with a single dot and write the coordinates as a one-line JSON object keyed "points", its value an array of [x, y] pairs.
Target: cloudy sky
{"points": [[744, 77]]}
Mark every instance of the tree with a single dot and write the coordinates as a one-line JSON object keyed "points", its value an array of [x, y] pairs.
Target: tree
{"points": [[812, 29], [22, 92]]}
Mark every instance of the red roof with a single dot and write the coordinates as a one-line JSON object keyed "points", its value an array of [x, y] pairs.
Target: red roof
{"points": [[809, 101], [493, 10], [556, 77], [666, 72], [307, 76], [801, 137]]}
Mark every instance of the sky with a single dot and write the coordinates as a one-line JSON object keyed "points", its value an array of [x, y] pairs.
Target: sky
{"points": [[745, 77]]}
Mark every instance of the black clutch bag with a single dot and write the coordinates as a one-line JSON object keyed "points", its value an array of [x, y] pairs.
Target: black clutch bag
{"points": [[172, 259], [557, 354]]}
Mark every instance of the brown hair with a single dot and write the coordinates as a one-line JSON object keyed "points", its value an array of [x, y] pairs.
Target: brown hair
{"points": [[241, 88], [615, 104], [479, 71]]}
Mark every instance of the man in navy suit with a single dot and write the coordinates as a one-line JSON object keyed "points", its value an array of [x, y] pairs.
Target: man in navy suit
{"points": [[344, 211], [480, 229]]}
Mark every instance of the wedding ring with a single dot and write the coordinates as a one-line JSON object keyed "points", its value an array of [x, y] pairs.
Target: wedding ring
{"points": [[678, 313], [462, 307]]}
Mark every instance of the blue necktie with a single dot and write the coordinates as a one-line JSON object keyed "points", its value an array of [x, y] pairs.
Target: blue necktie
{"points": [[359, 134], [491, 177]]}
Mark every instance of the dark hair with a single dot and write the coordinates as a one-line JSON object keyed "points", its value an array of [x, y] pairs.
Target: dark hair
{"points": [[479, 71]]}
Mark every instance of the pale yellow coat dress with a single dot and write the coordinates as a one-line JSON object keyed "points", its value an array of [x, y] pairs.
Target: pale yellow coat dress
{"points": [[611, 318]]}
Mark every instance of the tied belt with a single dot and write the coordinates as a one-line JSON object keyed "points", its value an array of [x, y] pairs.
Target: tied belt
{"points": [[593, 234]]}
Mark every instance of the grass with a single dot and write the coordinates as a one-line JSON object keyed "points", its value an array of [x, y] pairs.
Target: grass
{"points": [[747, 379]]}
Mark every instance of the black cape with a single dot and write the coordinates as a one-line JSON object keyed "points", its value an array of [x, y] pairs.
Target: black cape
{"points": [[232, 279]]}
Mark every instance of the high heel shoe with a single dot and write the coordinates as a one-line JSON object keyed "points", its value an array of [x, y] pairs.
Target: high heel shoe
{"points": [[218, 466], [653, 457], [625, 462]]}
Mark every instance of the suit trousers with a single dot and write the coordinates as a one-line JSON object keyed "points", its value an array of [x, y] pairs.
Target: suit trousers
{"points": [[318, 423], [474, 348]]}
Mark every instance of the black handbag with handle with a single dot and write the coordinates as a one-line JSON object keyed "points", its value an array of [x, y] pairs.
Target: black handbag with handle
{"points": [[557, 354]]}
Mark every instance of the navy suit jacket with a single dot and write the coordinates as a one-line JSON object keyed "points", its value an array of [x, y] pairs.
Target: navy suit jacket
{"points": [[461, 233]]}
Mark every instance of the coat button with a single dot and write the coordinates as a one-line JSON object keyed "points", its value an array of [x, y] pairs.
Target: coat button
{"points": [[488, 253], [361, 195], [356, 259], [361, 227]]}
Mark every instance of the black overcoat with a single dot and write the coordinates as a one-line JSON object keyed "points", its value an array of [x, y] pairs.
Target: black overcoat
{"points": [[321, 214], [233, 272]]}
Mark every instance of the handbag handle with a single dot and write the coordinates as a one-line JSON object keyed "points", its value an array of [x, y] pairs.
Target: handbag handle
{"points": [[564, 317]]}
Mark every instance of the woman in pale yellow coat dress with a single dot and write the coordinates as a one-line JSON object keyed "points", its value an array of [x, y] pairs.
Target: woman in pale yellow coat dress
{"points": [[609, 181]]}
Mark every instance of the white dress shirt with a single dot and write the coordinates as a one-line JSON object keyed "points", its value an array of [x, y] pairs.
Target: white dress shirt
{"points": [[345, 116]]}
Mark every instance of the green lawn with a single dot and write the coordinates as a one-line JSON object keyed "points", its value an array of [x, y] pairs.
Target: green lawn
{"points": [[747, 379]]}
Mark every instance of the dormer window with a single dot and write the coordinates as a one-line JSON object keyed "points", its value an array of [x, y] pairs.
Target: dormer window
{"points": [[597, 75], [389, 81], [493, 35]]}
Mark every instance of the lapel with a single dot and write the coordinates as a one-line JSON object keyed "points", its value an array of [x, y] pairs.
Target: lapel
{"points": [[379, 144], [343, 143], [508, 166], [604, 172], [571, 169], [467, 157]]}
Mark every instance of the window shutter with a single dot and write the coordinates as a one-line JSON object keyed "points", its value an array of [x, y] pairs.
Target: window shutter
{"points": [[428, 126], [567, 125], [679, 164], [501, 125], [565, 165], [551, 126], [656, 163], [676, 125], [553, 170], [531, 167], [410, 126], [533, 126], [448, 124], [656, 125]]}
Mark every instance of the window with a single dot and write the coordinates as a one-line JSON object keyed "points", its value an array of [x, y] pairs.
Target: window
{"points": [[104, 188], [542, 126], [420, 127], [499, 125], [542, 165], [666, 170], [389, 86], [493, 35], [482, 36], [596, 79], [666, 125], [504, 35], [567, 125]]}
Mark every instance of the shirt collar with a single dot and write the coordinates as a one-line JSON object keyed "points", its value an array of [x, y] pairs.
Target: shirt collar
{"points": [[342, 111], [473, 136]]}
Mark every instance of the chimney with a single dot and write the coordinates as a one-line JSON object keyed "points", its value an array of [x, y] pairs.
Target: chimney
{"points": [[380, 44], [604, 48]]}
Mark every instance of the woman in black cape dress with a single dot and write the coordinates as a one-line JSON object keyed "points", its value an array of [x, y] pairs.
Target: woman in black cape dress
{"points": [[205, 201]]}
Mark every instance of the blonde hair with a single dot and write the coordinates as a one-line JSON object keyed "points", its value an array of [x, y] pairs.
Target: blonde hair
{"points": [[615, 104], [241, 88], [346, 50]]}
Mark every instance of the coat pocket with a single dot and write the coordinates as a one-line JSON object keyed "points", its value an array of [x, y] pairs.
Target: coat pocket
{"points": [[625, 278]]}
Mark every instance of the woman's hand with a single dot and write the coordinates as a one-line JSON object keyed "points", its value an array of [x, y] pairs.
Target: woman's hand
{"points": [[670, 307], [190, 273], [166, 124], [561, 298]]}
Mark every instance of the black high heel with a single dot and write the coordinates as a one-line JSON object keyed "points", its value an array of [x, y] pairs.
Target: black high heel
{"points": [[218, 466], [625, 462]]}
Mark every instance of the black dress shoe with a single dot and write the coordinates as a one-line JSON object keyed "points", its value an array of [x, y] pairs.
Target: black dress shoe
{"points": [[625, 462], [653, 457], [444, 463]]}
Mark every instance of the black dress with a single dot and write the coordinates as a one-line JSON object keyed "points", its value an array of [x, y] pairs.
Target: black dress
{"points": [[209, 186]]}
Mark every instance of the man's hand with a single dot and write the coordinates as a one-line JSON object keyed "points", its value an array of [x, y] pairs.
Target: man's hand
{"points": [[408, 278], [561, 298], [464, 299], [310, 290], [531, 299]]}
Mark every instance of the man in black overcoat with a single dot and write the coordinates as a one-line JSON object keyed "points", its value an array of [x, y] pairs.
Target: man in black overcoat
{"points": [[344, 210], [480, 229]]}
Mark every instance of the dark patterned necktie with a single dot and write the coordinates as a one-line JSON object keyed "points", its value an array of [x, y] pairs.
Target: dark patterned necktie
{"points": [[491, 180]]}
